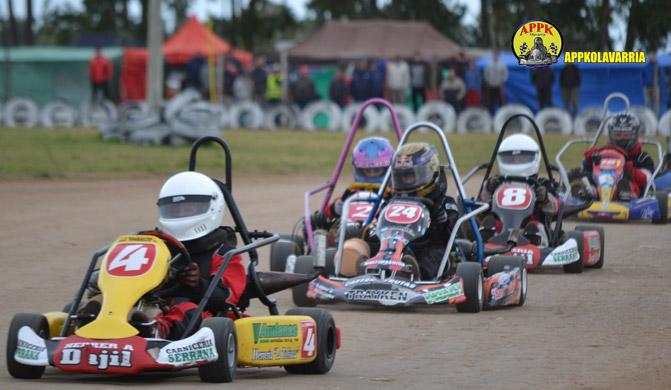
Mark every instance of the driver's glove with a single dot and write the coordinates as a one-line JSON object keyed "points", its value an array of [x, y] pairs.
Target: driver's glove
{"points": [[492, 183], [190, 276], [541, 193]]}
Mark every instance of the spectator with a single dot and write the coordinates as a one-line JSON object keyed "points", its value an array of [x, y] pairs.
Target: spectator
{"points": [[360, 86], [377, 76], [569, 82], [100, 74], [274, 85], [303, 89], [542, 78], [652, 78], [192, 72], [496, 75], [473, 83], [452, 88], [460, 66], [398, 79], [259, 77], [338, 89], [418, 79], [243, 87], [232, 68]]}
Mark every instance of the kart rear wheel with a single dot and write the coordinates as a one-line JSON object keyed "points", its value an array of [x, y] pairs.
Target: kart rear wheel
{"points": [[602, 237], [286, 246], [226, 341], [507, 263], [471, 274], [304, 265], [577, 266], [39, 324], [326, 340], [662, 197]]}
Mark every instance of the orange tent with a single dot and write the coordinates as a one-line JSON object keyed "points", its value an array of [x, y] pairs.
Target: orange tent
{"points": [[193, 38]]}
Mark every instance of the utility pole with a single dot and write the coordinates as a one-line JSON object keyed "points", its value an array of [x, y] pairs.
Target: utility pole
{"points": [[155, 61]]}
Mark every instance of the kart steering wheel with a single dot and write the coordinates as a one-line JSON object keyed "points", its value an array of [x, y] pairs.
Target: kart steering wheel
{"points": [[178, 262]]}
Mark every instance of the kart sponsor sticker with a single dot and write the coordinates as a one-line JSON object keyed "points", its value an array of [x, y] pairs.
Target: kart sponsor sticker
{"points": [[200, 347], [265, 333], [384, 297], [566, 253], [525, 252], [30, 348], [513, 196], [98, 355], [130, 260], [402, 213], [274, 354], [593, 247], [309, 334], [388, 263], [610, 163], [443, 294], [369, 279]]}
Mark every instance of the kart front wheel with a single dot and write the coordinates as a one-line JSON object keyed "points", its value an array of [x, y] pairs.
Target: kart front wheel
{"points": [[577, 266], [602, 237], [37, 323], [326, 342], [508, 263], [304, 265], [226, 341], [662, 197], [471, 275], [281, 249]]}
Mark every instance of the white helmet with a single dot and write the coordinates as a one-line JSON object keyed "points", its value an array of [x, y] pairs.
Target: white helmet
{"points": [[191, 205], [519, 155]]}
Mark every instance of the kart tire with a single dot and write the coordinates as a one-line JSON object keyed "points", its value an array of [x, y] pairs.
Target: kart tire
{"points": [[58, 114], [281, 249], [662, 197], [304, 265], [246, 115], [329, 268], [39, 324], [326, 342], [280, 117], [471, 274], [226, 341], [331, 110], [602, 237], [577, 266], [500, 263]]}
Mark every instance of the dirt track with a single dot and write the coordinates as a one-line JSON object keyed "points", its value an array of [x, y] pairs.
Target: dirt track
{"points": [[608, 328]]}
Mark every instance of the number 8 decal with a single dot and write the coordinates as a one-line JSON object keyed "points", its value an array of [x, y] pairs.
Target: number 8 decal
{"points": [[513, 197]]}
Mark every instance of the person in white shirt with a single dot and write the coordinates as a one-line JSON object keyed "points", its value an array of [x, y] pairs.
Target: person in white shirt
{"points": [[398, 79], [496, 74]]}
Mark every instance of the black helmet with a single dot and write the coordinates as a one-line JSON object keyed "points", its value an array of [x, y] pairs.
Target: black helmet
{"points": [[415, 169], [623, 130]]}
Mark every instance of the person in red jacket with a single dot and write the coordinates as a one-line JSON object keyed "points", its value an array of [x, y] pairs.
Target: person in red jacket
{"points": [[191, 208], [100, 74], [623, 132]]}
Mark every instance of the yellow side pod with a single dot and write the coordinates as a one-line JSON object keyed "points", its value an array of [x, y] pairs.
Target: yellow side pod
{"points": [[276, 340]]}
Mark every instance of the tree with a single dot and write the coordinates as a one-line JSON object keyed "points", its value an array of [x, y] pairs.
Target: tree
{"points": [[29, 23], [13, 30]]}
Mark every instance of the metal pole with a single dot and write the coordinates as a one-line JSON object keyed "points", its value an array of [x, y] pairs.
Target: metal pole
{"points": [[155, 62], [284, 70]]}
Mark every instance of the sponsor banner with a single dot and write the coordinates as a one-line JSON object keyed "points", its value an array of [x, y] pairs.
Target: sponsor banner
{"points": [[265, 333], [443, 294], [199, 348], [31, 349], [566, 253], [387, 297]]}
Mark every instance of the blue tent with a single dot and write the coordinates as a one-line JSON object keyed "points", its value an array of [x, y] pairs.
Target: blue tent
{"points": [[597, 81]]}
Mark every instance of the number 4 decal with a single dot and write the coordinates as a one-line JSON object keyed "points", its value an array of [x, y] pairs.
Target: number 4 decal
{"points": [[127, 259], [309, 339]]}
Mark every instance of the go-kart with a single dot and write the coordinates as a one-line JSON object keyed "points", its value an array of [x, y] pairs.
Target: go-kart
{"points": [[304, 239], [663, 178], [391, 277], [608, 169], [513, 204], [136, 274]]}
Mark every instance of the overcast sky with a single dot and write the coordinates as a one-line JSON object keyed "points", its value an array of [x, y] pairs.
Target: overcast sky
{"points": [[218, 8]]}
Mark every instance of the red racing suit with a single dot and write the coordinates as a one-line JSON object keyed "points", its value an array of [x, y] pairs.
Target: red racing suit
{"points": [[208, 252], [638, 166]]}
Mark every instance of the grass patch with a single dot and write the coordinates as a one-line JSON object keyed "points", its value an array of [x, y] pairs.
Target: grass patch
{"points": [[81, 153]]}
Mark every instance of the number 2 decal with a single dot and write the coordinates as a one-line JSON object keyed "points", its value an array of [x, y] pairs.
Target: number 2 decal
{"points": [[513, 197], [359, 211], [403, 213], [130, 259]]}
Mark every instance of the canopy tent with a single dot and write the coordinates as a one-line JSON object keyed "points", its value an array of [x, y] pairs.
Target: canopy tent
{"points": [[191, 39], [338, 40], [597, 82]]}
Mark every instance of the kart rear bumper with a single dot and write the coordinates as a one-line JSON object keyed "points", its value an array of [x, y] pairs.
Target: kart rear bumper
{"points": [[620, 211]]}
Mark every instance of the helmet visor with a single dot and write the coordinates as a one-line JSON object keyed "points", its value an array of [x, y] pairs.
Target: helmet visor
{"points": [[370, 173], [411, 178], [183, 206], [517, 157]]}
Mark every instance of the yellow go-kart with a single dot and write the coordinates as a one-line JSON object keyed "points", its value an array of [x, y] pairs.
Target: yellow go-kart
{"points": [[135, 275]]}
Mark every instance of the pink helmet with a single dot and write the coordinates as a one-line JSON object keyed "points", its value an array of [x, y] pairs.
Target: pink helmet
{"points": [[370, 158]]}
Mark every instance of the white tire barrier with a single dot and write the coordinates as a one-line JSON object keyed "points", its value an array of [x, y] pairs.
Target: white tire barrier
{"points": [[281, 116], [404, 114], [195, 120], [664, 126], [648, 120], [178, 101], [306, 119], [518, 125], [246, 115], [58, 114], [587, 121], [21, 112], [554, 120], [440, 113], [154, 135], [371, 117], [93, 114], [474, 120]]}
